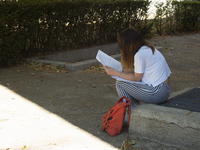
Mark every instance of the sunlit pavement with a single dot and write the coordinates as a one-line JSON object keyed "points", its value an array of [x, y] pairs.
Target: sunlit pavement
{"points": [[25, 125]]}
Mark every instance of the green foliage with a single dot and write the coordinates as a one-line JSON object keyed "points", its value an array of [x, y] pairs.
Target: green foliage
{"points": [[177, 17], [169, 18], [32, 26], [158, 20], [187, 15], [163, 20]]}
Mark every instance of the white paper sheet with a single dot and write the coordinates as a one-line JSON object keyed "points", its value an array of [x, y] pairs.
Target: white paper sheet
{"points": [[122, 79], [107, 60]]}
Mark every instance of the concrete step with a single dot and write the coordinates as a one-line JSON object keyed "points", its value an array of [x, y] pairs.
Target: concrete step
{"points": [[166, 125], [79, 59]]}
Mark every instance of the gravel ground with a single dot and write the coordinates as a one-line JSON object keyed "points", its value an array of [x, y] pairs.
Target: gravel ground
{"points": [[83, 97]]}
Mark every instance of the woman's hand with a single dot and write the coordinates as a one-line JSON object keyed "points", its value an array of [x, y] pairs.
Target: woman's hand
{"points": [[132, 76], [111, 71]]}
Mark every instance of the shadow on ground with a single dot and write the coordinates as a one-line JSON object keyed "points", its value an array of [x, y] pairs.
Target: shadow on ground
{"points": [[83, 98]]}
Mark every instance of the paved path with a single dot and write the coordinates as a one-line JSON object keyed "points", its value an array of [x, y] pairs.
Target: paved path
{"points": [[43, 110]]}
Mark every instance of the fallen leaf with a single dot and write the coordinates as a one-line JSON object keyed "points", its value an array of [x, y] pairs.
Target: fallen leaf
{"points": [[93, 85], [95, 69], [8, 84], [32, 74], [132, 142], [123, 145], [79, 81], [24, 147], [20, 70], [48, 67], [127, 144], [189, 113], [42, 76], [14, 90], [50, 97]]}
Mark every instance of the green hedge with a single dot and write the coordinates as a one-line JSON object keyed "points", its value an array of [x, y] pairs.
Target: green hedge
{"points": [[32, 27], [187, 16]]}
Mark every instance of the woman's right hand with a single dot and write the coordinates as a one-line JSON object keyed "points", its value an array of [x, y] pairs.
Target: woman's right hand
{"points": [[111, 71]]}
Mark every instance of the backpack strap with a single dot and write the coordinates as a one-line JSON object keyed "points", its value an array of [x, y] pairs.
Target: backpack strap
{"points": [[106, 119], [128, 102], [129, 116]]}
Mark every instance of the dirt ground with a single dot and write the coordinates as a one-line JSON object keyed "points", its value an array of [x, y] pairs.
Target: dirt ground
{"points": [[83, 97]]}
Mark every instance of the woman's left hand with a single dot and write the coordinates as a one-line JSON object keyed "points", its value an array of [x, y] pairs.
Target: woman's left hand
{"points": [[111, 71]]}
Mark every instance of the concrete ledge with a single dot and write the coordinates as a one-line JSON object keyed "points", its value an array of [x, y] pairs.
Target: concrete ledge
{"points": [[78, 55], [166, 125], [87, 63], [73, 66], [79, 59]]}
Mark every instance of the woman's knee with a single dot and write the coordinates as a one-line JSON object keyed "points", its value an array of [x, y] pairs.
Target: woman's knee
{"points": [[117, 84]]}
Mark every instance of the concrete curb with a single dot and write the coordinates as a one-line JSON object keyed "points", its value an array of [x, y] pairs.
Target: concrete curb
{"points": [[83, 58], [87, 63], [79, 59], [171, 126], [73, 66]]}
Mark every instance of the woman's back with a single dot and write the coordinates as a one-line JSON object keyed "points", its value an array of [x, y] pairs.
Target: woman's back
{"points": [[154, 66]]}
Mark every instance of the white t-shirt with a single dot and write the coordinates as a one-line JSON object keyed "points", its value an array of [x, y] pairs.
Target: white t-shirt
{"points": [[154, 66]]}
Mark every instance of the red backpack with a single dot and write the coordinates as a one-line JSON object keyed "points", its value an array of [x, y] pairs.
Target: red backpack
{"points": [[113, 120]]}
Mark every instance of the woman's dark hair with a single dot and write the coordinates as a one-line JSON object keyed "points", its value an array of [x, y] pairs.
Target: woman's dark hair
{"points": [[130, 41]]}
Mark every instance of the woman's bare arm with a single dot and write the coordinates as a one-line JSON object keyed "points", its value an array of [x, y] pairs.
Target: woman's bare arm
{"points": [[126, 75]]}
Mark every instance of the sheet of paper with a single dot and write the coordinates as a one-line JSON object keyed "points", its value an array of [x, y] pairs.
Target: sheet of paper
{"points": [[122, 79], [107, 60]]}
